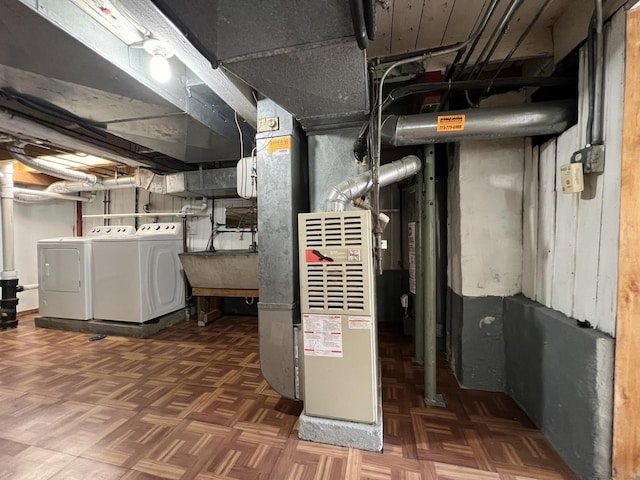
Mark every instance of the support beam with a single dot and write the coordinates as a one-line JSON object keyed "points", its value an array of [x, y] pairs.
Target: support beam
{"points": [[626, 422], [420, 262], [428, 263]]}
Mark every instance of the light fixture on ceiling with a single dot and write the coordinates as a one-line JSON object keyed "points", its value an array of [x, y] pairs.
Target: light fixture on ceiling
{"points": [[159, 67]]}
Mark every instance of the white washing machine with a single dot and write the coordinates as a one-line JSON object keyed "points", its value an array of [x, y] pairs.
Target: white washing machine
{"points": [[64, 273], [139, 278]]}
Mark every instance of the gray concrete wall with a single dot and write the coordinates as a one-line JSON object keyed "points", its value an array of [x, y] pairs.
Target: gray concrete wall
{"points": [[562, 376], [477, 340]]}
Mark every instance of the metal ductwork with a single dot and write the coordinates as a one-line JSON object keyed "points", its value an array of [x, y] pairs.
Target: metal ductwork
{"points": [[19, 154], [479, 123], [304, 57], [67, 68], [217, 182], [75, 181], [357, 186]]}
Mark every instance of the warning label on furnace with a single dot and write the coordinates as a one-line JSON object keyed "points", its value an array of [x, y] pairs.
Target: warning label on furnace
{"points": [[322, 335], [450, 123], [359, 322]]}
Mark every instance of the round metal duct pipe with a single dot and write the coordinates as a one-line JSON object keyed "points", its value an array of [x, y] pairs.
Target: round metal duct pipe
{"points": [[479, 123], [357, 186]]}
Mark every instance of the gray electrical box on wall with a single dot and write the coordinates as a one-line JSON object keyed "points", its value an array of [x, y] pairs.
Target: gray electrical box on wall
{"points": [[339, 339]]}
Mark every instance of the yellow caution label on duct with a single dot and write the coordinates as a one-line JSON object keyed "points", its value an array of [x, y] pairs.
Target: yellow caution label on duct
{"points": [[279, 145], [450, 123]]}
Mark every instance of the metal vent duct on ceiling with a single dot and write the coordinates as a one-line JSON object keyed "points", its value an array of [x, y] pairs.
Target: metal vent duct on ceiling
{"points": [[302, 55], [56, 52]]}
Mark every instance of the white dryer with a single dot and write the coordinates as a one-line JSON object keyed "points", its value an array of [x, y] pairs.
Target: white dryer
{"points": [[139, 278], [64, 273]]}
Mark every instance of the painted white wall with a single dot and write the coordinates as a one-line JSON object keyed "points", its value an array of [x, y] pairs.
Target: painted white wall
{"points": [[33, 222], [567, 244], [571, 260], [485, 212], [230, 239], [124, 201], [491, 185], [454, 272]]}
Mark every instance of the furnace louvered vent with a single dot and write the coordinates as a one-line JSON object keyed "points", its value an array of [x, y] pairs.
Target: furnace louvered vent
{"points": [[335, 256], [334, 231]]}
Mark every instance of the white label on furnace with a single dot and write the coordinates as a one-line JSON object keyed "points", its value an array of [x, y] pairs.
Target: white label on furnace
{"points": [[322, 335], [360, 322]]}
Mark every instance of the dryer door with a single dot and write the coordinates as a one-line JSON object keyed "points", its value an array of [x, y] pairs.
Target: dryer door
{"points": [[163, 287], [61, 270]]}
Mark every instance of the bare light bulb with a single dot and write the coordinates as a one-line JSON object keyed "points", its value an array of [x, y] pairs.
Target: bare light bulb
{"points": [[159, 68]]}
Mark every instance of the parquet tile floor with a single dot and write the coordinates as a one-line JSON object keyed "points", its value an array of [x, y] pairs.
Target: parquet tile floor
{"points": [[191, 403]]}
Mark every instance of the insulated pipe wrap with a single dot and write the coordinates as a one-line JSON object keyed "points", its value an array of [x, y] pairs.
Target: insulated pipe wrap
{"points": [[73, 187], [480, 123], [357, 186], [66, 174]]}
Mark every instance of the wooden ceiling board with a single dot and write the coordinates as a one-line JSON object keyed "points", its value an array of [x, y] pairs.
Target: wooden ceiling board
{"points": [[435, 20], [416, 25], [407, 17], [381, 46], [465, 18]]}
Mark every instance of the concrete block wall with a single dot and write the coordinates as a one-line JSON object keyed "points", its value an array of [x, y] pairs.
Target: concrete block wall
{"points": [[560, 375], [485, 255]]}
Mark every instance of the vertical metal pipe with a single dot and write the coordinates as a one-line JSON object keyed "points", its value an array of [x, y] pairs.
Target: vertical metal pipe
{"points": [[428, 250], [187, 285], [597, 130], [419, 313], [79, 219], [106, 206]]}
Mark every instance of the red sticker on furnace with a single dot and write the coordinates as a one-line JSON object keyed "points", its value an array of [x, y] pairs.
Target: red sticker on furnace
{"points": [[315, 256]]}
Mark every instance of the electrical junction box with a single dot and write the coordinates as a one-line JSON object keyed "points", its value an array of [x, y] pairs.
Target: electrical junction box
{"points": [[247, 177], [339, 334], [572, 178]]}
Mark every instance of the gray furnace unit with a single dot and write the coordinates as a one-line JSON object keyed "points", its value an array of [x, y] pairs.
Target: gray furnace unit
{"points": [[339, 340]]}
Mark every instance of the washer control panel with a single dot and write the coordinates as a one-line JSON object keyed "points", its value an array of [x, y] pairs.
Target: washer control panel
{"points": [[171, 229], [111, 230]]}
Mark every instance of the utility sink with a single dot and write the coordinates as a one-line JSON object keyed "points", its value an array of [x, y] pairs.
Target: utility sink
{"points": [[224, 269]]}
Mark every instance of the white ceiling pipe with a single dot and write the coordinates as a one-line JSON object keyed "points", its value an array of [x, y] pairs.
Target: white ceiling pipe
{"points": [[44, 166], [145, 214], [110, 184], [195, 208], [28, 195], [75, 181]]}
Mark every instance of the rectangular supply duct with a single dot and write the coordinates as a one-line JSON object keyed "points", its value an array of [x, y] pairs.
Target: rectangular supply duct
{"points": [[283, 194], [337, 291], [56, 52]]}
